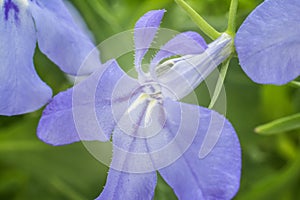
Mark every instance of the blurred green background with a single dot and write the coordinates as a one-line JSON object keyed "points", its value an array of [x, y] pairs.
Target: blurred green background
{"points": [[30, 169]]}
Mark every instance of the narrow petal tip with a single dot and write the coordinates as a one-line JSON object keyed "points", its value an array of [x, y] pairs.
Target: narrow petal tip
{"points": [[150, 19]]}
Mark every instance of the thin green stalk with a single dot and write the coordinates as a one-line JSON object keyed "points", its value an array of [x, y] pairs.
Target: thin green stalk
{"points": [[232, 17], [66, 190], [104, 13], [202, 24], [220, 83], [295, 84]]}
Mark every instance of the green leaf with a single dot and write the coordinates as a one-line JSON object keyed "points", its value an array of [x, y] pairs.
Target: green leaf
{"points": [[280, 125]]}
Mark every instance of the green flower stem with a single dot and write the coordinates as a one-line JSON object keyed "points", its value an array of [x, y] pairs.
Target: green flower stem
{"points": [[295, 84], [232, 17], [220, 82], [65, 189], [104, 12], [202, 24]]}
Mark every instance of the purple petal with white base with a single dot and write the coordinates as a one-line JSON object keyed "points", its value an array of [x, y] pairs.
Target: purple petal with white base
{"points": [[268, 42], [106, 96], [174, 150], [124, 182], [61, 39], [148, 146], [21, 90], [144, 33]]}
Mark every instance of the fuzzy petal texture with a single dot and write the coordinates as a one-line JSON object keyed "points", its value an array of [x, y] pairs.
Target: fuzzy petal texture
{"points": [[182, 44], [61, 39], [133, 135], [129, 186], [144, 32], [83, 112], [21, 89], [268, 42], [110, 98], [123, 182], [174, 151], [216, 176], [60, 124]]}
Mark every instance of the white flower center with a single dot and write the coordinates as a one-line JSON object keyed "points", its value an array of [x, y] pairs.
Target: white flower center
{"points": [[22, 3]]}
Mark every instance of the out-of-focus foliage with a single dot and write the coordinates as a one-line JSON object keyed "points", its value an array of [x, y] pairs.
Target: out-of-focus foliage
{"points": [[30, 169]]}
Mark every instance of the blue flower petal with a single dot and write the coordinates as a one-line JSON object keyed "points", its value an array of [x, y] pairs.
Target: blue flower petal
{"points": [[182, 44], [217, 175], [174, 149], [21, 90], [84, 112], [122, 185], [123, 182], [268, 42], [61, 39], [133, 135], [144, 33], [66, 120], [110, 99]]}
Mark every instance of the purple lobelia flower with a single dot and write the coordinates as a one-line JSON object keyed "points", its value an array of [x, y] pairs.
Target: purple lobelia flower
{"points": [[23, 23], [268, 42], [149, 128]]}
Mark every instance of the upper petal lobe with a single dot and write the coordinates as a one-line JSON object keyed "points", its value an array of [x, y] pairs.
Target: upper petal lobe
{"points": [[21, 90], [61, 39], [268, 42], [144, 33]]}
